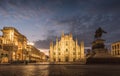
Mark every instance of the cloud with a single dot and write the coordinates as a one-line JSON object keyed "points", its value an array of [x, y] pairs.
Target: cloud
{"points": [[46, 51], [42, 44], [83, 27]]}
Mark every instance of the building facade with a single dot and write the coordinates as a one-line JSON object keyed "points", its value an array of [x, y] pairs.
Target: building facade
{"points": [[34, 55], [66, 50], [15, 43], [115, 49], [14, 47], [3, 53]]}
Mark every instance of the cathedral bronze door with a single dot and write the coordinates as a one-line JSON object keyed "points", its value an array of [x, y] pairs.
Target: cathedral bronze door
{"points": [[66, 59], [59, 60]]}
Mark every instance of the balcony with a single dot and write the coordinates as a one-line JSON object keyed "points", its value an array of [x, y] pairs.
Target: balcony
{"points": [[9, 47]]}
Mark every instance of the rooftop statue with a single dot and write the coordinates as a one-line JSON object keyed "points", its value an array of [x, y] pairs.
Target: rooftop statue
{"points": [[99, 32]]}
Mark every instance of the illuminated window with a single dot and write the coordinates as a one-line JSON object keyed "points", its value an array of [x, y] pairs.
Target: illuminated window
{"points": [[59, 54], [118, 46], [118, 52], [1, 41], [0, 46], [66, 50], [73, 53], [73, 59], [113, 47], [59, 59], [54, 59], [2, 54], [66, 43], [73, 48], [115, 52], [58, 49]]}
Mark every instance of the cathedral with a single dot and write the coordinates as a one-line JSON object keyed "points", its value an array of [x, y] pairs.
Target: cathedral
{"points": [[66, 50]]}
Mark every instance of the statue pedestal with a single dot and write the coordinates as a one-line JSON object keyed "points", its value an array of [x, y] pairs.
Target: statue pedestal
{"points": [[98, 44], [100, 56], [101, 53], [98, 49]]}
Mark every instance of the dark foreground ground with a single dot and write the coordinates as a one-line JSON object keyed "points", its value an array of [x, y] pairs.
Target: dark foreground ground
{"points": [[59, 70]]}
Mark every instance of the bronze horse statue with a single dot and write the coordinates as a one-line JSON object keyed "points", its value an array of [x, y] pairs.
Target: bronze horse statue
{"points": [[99, 32]]}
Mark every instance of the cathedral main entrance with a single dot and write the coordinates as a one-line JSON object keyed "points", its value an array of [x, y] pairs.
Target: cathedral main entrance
{"points": [[66, 59]]}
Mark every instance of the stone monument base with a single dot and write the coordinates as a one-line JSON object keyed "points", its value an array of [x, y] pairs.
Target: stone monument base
{"points": [[102, 56], [101, 53], [110, 60]]}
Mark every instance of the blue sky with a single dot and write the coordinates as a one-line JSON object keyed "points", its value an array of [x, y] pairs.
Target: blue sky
{"points": [[42, 20]]}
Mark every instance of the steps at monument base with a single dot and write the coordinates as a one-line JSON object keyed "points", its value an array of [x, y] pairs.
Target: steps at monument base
{"points": [[110, 60]]}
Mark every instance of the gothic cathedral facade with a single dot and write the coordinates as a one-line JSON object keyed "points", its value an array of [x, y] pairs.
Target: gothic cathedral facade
{"points": [[66, 50]]}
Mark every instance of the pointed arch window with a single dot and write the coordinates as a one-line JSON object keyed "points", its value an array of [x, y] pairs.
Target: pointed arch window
{"points": [[66, 50], [58, 49], [117, 46], [73, 49], [66, 43]]}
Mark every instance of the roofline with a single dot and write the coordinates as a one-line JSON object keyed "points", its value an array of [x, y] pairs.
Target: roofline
{"points": [[116, 42]]}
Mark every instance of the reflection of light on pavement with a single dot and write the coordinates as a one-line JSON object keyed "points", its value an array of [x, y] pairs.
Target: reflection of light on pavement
{"points": [[28, 70], [35, 70], [45, 71], [59, 70]]}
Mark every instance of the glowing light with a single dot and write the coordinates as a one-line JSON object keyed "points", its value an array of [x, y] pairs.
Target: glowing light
{"points": [[30, 43], [46, 51]]}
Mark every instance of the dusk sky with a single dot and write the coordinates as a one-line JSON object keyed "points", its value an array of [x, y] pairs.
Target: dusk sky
{"points": [[42, 20]]}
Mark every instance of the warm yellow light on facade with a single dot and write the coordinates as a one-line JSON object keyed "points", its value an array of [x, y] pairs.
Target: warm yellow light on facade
{"points": [[66, 50], [11, 35], [14, 47]]}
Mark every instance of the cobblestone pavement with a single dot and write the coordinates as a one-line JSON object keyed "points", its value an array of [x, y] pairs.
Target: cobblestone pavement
{"points": [[59, 70]]}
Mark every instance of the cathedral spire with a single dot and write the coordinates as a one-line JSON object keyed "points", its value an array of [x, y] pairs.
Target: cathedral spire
{"points": [[70, 34], [51, 50], [76, 41], [62, 33], [56, 39], [82, 49], [51, 43]]}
